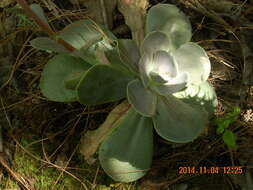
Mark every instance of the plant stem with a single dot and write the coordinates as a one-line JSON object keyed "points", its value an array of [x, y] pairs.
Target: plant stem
{"points": [[134, 12], [44, 25], [30, 12]]}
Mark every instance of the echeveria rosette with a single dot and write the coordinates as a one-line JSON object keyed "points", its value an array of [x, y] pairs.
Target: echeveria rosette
{"points": [[171, 94], [162, 74], [175, 71]]}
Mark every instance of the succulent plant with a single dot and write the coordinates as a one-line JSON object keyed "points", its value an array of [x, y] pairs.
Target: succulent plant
{"points": [[171, 93], [164, 81]]}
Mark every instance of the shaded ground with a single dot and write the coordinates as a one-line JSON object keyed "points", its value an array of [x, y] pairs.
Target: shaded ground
{"points": [[39, 144]]}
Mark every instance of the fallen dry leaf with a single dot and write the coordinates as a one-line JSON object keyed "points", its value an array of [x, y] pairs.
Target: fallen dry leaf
{"points": [[92, 139]]}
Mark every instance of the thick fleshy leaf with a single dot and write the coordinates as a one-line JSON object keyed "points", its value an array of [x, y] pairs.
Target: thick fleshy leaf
{"points": [[177, 121], [174, 85], [163, 64], [124, 56], [156, 78], [155, 41], [47, 44], [145, 59], [129, 53], [142, 99], [52, 82], [81, 34], [192, 58], [158, 69], [39, 12], [102, 84], [115, 60], [202, 95], [168, 19], [126, 154], [73, 79], [87, 36], [160, 63]]}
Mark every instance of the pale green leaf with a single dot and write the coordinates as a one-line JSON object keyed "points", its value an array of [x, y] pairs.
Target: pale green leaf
{"points": [[155, 41], [102, 84], [126, 154], [116, 62], [159, 62], [47, 44], [142, 99], [156, 78], [52, 82], [177, 121], [129, 53], [143, 68], [73, 79], [170, 20], [202, 95], [174, 85], [192, 59], [87, 37], [81, 34]]}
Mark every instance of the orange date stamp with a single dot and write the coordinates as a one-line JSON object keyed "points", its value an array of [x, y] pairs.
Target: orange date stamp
{"points": [[210, 170]]}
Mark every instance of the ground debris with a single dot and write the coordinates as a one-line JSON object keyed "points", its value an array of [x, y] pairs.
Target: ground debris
{"points": [[5, 3]]}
